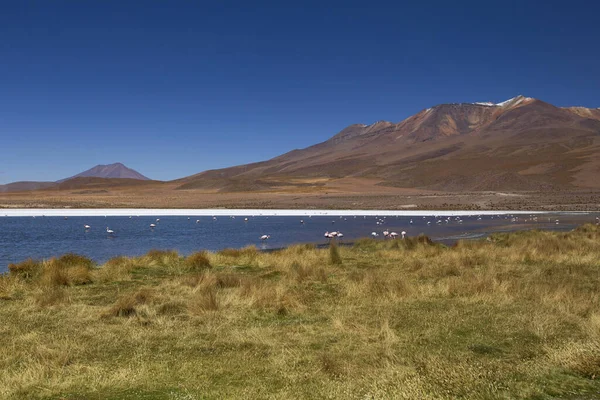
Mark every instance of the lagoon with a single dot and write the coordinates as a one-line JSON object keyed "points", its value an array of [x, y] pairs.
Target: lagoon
{"points": [[44, 233]]}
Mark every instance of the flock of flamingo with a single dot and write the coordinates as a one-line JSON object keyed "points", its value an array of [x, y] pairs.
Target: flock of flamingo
{"points": [[328, 235], [388, 234], [379, 221]]}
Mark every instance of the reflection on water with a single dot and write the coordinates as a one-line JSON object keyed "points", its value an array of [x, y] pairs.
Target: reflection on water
{"points": [[43, 237]]}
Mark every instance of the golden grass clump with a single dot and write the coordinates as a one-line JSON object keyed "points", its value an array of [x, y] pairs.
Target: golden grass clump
{"points": [[265, 295], [67, 270], [79, 275], [161, 258], [75, 260], [204, 296], [204, 300], [408, 243], [54, 273], [117, 269], [198, 261], [9, 285], [248, 256], [213, 280], [28, 269], [127, 305], [202, 279], [227, 280], [249, 251]]}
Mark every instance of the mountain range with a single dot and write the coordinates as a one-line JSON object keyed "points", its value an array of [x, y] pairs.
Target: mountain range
{"points": [[522, 144], [519, 144]]}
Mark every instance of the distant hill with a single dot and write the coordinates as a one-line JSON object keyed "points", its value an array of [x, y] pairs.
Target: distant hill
{"points": [[26, 186], [115, 174], [520, 144], [116, 170]]}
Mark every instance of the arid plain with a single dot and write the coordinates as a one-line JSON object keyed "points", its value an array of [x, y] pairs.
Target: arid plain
{"points": [[345, 193]]}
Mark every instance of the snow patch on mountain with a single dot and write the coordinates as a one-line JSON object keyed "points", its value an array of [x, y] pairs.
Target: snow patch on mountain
{"points": [[514, 101], [510, 102]]}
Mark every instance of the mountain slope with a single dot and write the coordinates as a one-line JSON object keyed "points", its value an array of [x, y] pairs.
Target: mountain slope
{"points": [[26, 186], [519, 144], [116, 170]]}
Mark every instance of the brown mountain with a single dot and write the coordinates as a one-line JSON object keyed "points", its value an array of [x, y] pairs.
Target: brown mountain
{"points": [[116, 170], [519, 144], [101, 175]]}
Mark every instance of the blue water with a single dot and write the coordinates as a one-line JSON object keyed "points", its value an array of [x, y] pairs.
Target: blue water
{"points": [[44, 237]]}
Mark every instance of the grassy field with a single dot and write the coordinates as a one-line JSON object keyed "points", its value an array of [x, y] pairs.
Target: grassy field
{"points": [[513, 316]]}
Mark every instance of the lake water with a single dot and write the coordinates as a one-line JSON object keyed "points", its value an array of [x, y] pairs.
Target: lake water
{"points": [[48, 236]]}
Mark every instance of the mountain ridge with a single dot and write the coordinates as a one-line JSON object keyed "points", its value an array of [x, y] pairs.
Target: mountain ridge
{"points": [[519, 144]]}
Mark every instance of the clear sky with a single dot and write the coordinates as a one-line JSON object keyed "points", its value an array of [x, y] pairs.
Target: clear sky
{"points": [[172, 88]]}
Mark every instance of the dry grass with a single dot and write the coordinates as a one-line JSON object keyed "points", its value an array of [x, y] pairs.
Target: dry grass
{"points": [[334, 254], [27, 269], [128, 305], [514, 316], [70, 269], [198, 261], [117, 269], [204, 300]]}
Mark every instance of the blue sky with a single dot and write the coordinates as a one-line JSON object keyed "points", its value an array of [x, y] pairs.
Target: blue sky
{"points": [[172, 88]]}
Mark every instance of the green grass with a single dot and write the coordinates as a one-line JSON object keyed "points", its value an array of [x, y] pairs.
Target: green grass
{"points": [[513, 316]]}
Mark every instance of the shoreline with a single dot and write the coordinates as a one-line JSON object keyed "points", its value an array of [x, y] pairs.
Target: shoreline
{"points": [[445, 241], [126, 212]]}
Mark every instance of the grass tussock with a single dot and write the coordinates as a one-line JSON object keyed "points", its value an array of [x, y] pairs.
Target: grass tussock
{"points": [[68, 270], [513, 316], [117, 269], [334, 254], [10, 286], [244, 257], [28, 269], [204, 300], [197, 261], [161, 258], [227, 280], [72, 260], [128, 305], [249, 251]]}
